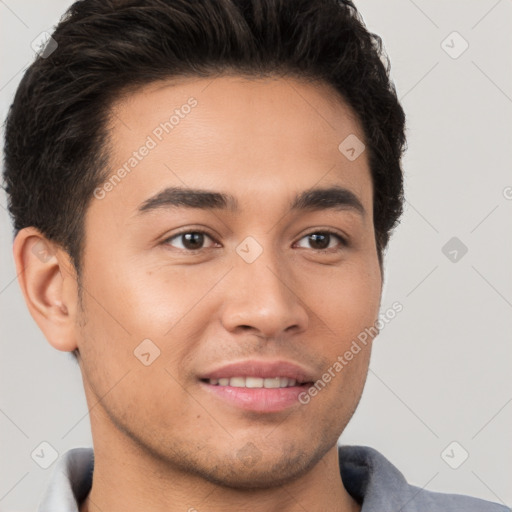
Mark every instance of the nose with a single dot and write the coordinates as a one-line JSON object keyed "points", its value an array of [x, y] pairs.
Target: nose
{"points": [[261, 298]]}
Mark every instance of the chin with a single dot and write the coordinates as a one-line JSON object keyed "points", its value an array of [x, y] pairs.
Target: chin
{"points": [[253, 470]]}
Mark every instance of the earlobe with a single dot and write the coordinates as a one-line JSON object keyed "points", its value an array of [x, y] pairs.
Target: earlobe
{"points": [[48, 282]]}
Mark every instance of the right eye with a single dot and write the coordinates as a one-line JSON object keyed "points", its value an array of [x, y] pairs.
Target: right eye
{"points": [[189, 240]]}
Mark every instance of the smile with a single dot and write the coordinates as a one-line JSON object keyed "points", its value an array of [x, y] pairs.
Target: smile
{"points": [[254, 382]]}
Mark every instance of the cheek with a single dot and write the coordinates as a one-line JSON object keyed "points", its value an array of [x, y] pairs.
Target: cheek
{"points": [[127, 305], [345, 299], [114, 369], [141, 301]]}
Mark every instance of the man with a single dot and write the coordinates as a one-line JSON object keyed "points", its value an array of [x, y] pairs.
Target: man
{"points": [[202, 194]]}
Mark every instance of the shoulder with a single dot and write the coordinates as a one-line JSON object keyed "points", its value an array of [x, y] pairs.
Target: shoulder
{"points": [[70, 481], [380, 486]]}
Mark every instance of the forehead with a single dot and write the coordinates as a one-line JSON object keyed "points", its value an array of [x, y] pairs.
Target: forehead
{"points": [[265, 137], [236, 102]]}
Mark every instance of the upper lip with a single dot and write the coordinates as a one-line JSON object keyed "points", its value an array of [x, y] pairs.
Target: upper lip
{"points": [[263, 369]]}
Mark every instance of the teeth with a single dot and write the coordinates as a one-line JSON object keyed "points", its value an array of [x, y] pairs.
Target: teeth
{"points": [[274, 383], [254, 382], [237, 382]]}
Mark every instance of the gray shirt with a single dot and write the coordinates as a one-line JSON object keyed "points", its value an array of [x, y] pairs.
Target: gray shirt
{"points": [[367, 475]]}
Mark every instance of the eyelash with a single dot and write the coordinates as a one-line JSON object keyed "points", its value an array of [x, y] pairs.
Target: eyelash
{"points": [[343, 242]]}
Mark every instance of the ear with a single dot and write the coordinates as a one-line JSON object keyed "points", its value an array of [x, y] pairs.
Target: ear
{"points": [[47, 279]]}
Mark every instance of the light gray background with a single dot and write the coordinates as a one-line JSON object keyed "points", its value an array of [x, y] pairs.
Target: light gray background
{"points": [[440, 371]]}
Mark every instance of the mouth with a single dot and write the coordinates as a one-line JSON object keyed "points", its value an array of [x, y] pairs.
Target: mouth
{"points": [[258, 386], [255, 382]]}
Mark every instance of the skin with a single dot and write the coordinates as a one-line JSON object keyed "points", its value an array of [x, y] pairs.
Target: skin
{"points": [[161, 442]]}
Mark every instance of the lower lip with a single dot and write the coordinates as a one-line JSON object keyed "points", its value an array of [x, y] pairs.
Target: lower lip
{"points": [[258, 399]]}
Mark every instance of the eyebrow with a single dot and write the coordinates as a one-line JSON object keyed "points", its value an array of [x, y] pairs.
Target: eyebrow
{"points": [[330, 198]]}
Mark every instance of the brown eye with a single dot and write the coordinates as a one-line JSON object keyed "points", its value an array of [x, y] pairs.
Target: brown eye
{"points": [[323, 240], [189, 240]]}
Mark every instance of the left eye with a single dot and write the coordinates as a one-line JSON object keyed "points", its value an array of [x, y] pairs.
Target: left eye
{"points": [[321, 240]]}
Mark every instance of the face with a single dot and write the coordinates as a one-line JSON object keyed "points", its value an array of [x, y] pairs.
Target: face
{"points": [[190, 300]]}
